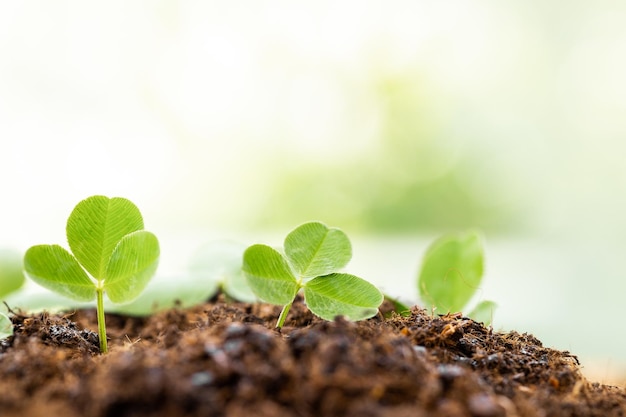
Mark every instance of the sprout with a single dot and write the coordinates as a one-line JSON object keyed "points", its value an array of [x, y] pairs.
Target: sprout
{"points": [[313, 253], [451, 273], [111, 253]]}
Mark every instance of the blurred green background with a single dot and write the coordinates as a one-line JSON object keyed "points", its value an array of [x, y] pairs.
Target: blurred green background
{"points": [[395, 121]]}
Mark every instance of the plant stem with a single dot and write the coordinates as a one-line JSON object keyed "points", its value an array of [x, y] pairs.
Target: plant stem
{"points": [[283, 315], [102, 330]]}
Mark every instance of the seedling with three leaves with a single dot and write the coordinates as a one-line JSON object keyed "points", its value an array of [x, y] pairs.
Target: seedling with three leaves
{"points": [[111, 253], [313, 255], [451, 273]]}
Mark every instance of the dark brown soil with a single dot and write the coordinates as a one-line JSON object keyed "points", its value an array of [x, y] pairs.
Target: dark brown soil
{"points": [[223, 359]]}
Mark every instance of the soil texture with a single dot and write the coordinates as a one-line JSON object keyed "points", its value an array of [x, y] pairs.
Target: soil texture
{"points": [[226, 359]]}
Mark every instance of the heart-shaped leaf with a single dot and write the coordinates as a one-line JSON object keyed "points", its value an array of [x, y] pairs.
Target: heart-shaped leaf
{"points": [[342, 295], [54, 268], [95, 227], [132, 263], [314, 249], [269, 275], [451, 271]]}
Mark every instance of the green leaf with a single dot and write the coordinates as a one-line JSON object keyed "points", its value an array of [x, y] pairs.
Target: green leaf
{"points": [[219, 264], [451, 271], [54, 268], [269, 275], [342, 294], [314, 249], [483, 312], [133, 262], [11, 275], [6, 326], [95, 227]]}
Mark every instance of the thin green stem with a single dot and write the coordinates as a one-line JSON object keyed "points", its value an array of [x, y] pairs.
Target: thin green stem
{"points": [[102, 330], [283, 315]]}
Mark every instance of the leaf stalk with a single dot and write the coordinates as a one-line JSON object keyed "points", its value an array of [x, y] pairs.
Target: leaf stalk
{"points": [[102, 331], [283, 315]]}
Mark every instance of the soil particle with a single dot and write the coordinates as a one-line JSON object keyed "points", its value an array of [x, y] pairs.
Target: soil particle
{"points": [[222, 359]]}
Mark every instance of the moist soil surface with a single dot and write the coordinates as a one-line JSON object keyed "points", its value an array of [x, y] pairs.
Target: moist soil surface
{"points": [[226, 359]]}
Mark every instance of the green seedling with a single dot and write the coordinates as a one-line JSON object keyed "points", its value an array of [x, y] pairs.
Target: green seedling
{"points": [[451, 272], [313, 253], [111, 253], [11, 275]]}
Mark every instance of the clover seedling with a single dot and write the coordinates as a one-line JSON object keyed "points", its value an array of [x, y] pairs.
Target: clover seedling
{"points": [[313, 253], [451, 273], [110, 253]]}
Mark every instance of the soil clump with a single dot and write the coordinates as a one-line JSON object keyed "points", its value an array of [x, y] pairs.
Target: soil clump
{"points": [[226, 359]]}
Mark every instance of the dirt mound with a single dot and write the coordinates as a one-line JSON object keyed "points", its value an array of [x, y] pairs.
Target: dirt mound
{"points": [[223, 359]]}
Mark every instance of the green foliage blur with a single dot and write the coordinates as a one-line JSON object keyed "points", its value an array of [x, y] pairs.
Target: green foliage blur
{"points": [[414, 178], [11, 276]]}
